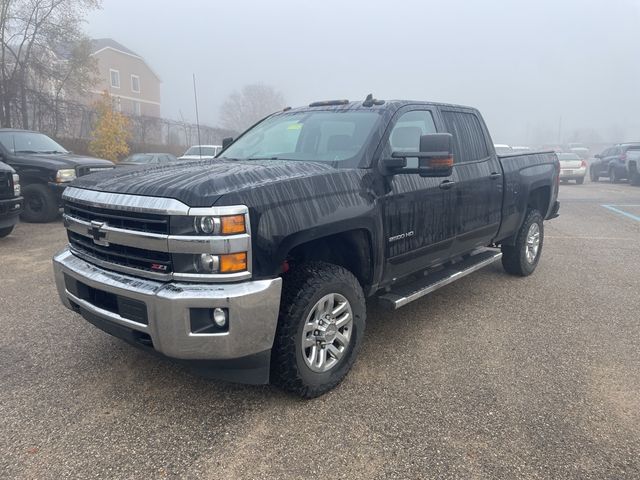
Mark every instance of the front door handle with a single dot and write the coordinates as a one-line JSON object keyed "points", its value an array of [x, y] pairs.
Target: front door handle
{"points": [[447, 184], [495, 175]]}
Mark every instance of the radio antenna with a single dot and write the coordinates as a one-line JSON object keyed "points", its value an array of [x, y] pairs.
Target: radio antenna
{"points": [[195, 97]]}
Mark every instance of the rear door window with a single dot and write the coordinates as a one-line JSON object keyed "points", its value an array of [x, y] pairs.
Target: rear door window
{"points": [[469, 142]]}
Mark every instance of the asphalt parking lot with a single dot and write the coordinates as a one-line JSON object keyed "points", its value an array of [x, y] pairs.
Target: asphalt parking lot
{"points": [[490, 377]]}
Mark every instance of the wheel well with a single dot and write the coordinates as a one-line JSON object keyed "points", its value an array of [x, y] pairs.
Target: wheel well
{"points": [[539, 199], [351, 250]]}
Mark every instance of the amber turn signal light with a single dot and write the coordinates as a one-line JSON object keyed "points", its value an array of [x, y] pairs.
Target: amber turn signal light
{"points": [[232, 224], [441, 162], [233, 262]]}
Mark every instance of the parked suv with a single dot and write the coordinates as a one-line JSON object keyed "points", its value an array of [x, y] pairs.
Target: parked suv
{"points": [[613, 163], [45, 169], [256, 265], [10, 199]]}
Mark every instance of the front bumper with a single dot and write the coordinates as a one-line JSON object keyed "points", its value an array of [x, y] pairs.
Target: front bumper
{"points": [[572, 173], [10, 210], [240, 354]]}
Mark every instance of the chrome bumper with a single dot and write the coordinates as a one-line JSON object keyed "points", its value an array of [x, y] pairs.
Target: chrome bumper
{"points": [[253, 310]]}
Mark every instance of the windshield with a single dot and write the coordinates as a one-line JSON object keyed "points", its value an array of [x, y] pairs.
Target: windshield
{"points": [[29, 142], [318, 136], [139, 158], [204, 151], [568, 157]]}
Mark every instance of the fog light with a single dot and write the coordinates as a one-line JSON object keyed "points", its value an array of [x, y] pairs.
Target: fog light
{"points": [[208, 263], [219, 317]]}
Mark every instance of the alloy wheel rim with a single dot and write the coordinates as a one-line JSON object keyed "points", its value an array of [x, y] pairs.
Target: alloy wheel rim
{"points": [[533, 242], [327, 332]]}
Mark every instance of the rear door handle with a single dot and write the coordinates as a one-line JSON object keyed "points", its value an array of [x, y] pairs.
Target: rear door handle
{"points": [[495, 175], [447, 184]]}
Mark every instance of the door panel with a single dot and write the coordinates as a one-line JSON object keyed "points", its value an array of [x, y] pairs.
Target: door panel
{"points": [[478, 178], [417, 214]]}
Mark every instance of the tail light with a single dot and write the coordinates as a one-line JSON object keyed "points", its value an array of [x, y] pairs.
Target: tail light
{"points": [[583, 164]]}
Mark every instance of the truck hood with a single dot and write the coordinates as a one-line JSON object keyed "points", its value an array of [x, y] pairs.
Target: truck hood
{"points": [[200, 183], [59, 161]]}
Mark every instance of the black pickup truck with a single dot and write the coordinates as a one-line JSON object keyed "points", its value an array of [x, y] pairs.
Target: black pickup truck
{"points": [[10, 199], [45, 169], [255, 266]]}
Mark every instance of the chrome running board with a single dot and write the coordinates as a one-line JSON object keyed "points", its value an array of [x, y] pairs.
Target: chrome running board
{"points": [[401, 295]]}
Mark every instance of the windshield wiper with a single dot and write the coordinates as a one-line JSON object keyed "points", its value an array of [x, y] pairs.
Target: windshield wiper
{"points": [[53, 151], [25, 151]]}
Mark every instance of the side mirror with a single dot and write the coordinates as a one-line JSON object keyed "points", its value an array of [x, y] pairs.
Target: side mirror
{"points": [[226, 142], [435, 158]]}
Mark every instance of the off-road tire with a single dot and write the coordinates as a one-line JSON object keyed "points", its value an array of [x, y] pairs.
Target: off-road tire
{"points": [[514, 258], [579, 181], [303, 287], [6, 231], [40, 204]]}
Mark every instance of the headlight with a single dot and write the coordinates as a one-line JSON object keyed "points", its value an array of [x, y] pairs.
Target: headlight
{"points": [[208, 225], [16, 185], [65, 175]]}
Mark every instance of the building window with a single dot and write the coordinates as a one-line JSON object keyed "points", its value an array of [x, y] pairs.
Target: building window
{"points": [[115, 78], [135, 83], [136, 108], [116, 104]]}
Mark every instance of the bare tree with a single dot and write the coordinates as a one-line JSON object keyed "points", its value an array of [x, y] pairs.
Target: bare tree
{"points": [[242, 109], [43, 52]]}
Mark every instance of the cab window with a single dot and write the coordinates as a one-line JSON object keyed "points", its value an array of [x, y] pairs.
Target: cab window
{"points": [[405, 136]]}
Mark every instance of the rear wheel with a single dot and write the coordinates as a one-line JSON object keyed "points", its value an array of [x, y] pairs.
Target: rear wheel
{"points": [[579, 181], [522, 257], [6, 231], [40, 204], [320, 329]]}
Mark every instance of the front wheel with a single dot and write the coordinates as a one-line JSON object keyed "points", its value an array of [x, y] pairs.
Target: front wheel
{"points": [[320, 329], [579, 181], [522, 257], [40, 204], [6, 231], [593, 176]]}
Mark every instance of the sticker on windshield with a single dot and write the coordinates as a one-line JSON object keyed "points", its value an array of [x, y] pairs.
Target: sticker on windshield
{"points": [[294, 126]]}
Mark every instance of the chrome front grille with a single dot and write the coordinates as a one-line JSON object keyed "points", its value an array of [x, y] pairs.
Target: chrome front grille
{"points": [[132, 234], [140, 222], [6, 185]]}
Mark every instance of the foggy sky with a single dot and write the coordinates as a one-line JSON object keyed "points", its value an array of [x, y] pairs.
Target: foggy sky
{"points": [[528, 66]]}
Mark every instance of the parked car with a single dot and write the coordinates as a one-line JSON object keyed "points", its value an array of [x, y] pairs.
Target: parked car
{"points": [[148, 159], [45, 169], [10, 199], [572, 167], [502, 149], [256, 265], [613, 163], [202, 152], [521, 149]]}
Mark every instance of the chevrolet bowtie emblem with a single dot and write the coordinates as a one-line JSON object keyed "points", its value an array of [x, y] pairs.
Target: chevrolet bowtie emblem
{"points": [[98, 235]]}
